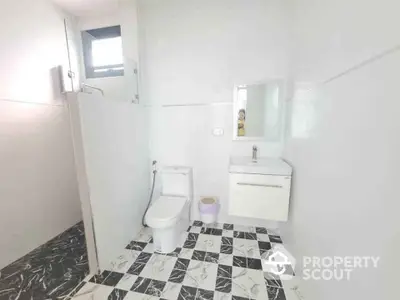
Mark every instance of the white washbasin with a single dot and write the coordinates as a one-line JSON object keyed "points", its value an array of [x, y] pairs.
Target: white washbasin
{"points": [[264, 166]]}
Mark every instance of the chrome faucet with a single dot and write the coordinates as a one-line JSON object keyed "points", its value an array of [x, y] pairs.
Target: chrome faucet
{"points": [[254, 158]]}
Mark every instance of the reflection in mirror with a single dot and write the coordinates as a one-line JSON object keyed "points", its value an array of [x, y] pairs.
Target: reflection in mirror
{"points": [[258, 111]]}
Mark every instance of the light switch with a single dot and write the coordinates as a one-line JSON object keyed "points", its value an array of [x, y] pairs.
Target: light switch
{"points": [[218, 131]]}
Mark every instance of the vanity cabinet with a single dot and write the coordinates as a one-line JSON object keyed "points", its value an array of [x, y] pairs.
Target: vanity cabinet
{"points": [[259, 196]]}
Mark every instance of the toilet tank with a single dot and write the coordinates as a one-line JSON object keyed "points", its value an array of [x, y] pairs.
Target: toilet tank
{"points": [[177, 181]]}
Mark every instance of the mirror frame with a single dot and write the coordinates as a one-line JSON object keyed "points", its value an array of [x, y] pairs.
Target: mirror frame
{"points": [[282, 96]]}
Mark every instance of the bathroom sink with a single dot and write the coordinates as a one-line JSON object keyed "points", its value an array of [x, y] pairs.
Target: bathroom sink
{"points": [[264, 166]]}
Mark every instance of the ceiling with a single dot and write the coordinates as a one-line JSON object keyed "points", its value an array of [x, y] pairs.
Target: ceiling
{"points": [[81, 8]]}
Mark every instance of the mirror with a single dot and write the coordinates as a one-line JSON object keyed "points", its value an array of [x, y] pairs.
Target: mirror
{"points": [[258, 111]]}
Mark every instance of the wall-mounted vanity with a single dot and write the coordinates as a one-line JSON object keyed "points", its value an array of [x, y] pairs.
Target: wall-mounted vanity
{"points": [[259, 187]]}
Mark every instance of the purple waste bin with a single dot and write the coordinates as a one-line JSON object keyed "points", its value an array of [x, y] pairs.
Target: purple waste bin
{"points": [[209, 208]]}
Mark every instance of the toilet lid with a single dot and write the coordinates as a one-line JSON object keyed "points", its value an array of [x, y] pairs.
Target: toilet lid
{"points": [[166, 208]]}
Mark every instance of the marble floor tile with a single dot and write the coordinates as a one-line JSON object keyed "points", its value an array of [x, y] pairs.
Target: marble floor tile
{"points": [[208, 243], [92, 291], [225, 259], [227, 241], [175, 253], [201, 275], [186, 253], [215, 225], [52, 270], [159, 267], [126, 282], [292, 289], [226, 249], [261, 230], [240, 261], [248, 283], [228, 233], [135, 245], [224, 271], [156, 288], [203, 294], [117, 294], [214, 262], [99, 278], [263, 237], [198, 223], [222, 296], [195, 229], [113, 278], [227, 226], [138, 296], [187, 293], [171, 291], [211, 231], [124, 261], [177, 276], [275, 239], [136, 269], [276, 293], [141, 284], [244, 228], [274, 231], [246, 248], [212, 257], [182, 264], [223, 285]]}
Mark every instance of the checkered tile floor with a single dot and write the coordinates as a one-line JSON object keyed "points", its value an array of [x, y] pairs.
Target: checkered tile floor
{"points": [[219, 262]]}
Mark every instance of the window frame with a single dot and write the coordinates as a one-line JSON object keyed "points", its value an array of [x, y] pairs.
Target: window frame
{"points": [[96, 34]]}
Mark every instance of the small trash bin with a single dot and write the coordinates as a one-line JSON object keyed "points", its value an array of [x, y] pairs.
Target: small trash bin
{"points": [[208, 207]]}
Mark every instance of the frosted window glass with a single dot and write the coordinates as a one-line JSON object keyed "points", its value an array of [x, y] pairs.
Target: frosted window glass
{"points": [[107, 52]]}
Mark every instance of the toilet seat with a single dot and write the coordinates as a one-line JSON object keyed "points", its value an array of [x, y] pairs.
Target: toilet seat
{"points": [[165, 211]]}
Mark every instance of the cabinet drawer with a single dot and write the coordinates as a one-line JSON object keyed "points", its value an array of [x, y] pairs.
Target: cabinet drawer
{"points": [[260, 196]]}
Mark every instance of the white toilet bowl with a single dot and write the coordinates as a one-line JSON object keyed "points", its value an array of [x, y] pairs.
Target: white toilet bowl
{"points": [[168, 217]]}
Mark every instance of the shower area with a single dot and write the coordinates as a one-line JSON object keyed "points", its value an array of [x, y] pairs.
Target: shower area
{"points": [[99, 83]]}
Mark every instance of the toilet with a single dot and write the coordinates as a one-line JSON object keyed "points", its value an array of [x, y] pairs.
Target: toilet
{"points": [[169, 215]]}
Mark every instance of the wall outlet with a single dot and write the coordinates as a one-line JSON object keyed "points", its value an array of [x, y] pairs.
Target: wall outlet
{"points": [[218, 131]]}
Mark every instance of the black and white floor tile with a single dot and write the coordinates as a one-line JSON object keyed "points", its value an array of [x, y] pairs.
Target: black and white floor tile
{"points": [[52, 271], [216, 262]]}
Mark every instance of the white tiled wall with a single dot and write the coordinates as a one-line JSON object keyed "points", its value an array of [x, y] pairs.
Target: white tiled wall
{"points": [[194, 52], [344, 146]]}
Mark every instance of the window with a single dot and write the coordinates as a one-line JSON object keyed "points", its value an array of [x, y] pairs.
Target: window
{"points": [[102, 51]]}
